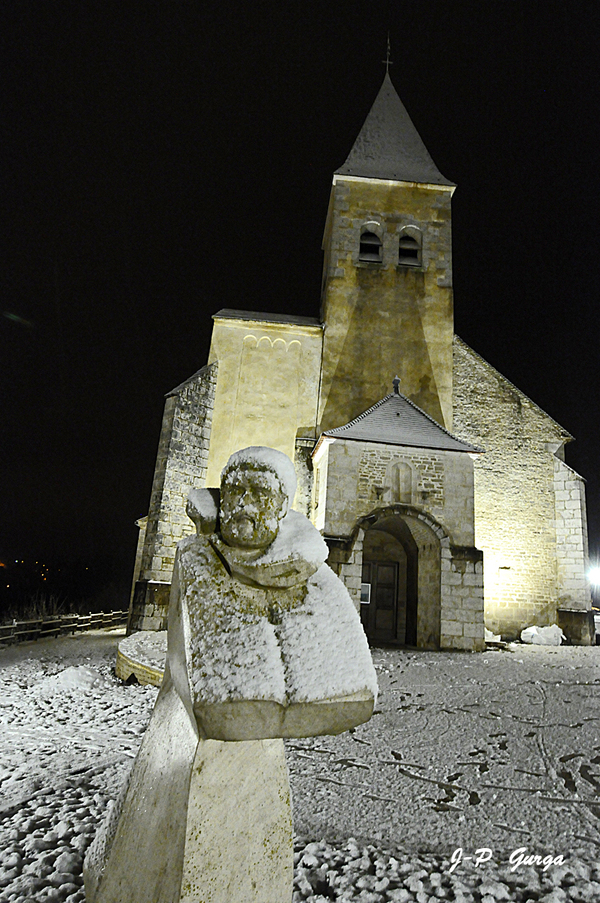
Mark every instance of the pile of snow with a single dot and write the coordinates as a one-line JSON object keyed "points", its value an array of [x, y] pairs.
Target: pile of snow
{"points": [[543, 636], [492, 637], [78, 678]]}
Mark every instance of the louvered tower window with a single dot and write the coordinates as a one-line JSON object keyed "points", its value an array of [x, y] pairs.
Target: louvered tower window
{"points": [[409, 252], [370, 248]]}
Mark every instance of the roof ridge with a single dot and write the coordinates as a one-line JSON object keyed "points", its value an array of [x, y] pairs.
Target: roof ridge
{"points": [[364, 413], [457, 340], [429, 417], [186, 382], [408, 401]]}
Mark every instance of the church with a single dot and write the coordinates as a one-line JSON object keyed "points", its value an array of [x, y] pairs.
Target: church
{"points": [[440, 488]]}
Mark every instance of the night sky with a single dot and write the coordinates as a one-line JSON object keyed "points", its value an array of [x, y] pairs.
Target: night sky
{"points": [[162, 160]]}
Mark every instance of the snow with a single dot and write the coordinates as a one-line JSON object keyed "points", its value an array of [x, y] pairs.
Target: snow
{"points": [[238, 657], [296, 539], [499, 750], [324, 648], [268, 458], [492, 637], [74, 678], [296, 644], [543, 636], [151, 646], [202, 503]]}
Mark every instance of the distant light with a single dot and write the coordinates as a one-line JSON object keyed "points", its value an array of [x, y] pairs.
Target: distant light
{"points": [[594, 576]]}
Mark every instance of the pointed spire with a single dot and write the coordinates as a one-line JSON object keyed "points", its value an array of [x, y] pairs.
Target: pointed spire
{"points": [[387, 59], [389, 146]]}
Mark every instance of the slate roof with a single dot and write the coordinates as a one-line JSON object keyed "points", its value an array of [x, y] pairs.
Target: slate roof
{"points": [[397, 421], [261, 317], [389, 146]]}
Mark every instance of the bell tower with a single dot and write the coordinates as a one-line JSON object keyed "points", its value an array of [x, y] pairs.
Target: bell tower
{"points": [[386, 300]]}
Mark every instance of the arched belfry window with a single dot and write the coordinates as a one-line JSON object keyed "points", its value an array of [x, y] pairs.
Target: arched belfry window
{"points": [[370, 248], [410, 249]]}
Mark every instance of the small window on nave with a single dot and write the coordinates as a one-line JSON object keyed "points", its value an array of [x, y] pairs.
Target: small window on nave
{"points": [[409, 251], [401, 483], [370, 248]]}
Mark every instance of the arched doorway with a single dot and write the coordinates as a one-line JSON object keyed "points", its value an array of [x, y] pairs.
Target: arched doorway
{"points": [[389, 580], [401, 578]]}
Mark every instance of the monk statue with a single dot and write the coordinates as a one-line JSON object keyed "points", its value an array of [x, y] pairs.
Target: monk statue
{"points": [[275, 647], [264, 643]]}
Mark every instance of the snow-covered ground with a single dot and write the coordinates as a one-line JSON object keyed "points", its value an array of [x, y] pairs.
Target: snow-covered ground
{"points": [[497, 752]]}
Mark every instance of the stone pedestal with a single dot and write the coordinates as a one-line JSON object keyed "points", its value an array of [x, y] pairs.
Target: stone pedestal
{"points": [[200, 820], [238, 844]]}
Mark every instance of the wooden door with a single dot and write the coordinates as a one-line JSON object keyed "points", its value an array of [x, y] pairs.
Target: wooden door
{"points": [[380, 615]]}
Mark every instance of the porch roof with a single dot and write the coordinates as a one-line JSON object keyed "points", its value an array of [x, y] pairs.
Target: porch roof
{"points": [[395, 420]]}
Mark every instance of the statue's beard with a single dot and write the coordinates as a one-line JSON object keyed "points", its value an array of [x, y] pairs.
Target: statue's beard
{"points": [[243, 526], [246, 531]]}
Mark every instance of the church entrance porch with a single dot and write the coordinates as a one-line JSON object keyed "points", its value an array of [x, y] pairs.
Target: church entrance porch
{"points": [[414, 586]]}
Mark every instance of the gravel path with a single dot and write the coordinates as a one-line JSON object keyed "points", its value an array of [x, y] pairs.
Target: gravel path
{"points": [[496, 752]]}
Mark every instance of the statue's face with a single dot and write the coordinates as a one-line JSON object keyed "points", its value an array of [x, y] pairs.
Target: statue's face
{"points": [[252, 506]]}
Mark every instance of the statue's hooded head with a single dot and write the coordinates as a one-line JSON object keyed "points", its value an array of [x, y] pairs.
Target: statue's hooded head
{"points": [[258, 485]]}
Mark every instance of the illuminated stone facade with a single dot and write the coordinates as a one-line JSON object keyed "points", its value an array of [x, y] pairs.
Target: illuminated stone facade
{"points": [[406, 519], [530, 506], [180, 465]]}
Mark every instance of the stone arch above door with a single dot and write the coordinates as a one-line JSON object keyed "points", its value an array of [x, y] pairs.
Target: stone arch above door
{"points": [[449, 576], [401, 542]]}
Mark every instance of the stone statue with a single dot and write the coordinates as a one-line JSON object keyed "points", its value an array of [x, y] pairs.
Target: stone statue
{"points": [[263, 643]]}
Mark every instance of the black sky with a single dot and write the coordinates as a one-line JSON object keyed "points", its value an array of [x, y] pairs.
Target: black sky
{"points": [[162, 160]]}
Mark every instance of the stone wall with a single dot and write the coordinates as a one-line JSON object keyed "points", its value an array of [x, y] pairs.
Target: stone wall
{"points": [[267, 387], [352, 478], [181, 464], [462, 606], [533, 542], [571, 538], [141, 524], [358, 484], [450, 579], [345, 559], [304, 472]]}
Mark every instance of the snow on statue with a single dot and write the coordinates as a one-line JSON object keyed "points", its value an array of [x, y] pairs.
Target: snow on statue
{"points": [[263, 643]]}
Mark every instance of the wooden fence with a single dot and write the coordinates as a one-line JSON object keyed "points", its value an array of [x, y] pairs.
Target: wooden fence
{"points": [[19, 631]]}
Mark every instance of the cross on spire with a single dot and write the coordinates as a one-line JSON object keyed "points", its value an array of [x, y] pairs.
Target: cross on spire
{"points": [[387, 59]]}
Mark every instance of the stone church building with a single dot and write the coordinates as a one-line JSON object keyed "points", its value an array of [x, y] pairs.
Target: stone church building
{"points": [[440, 488]]}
